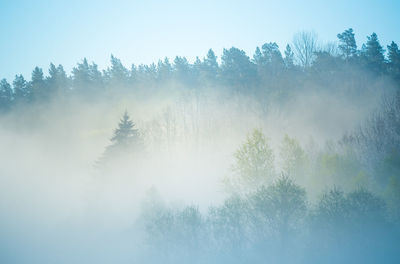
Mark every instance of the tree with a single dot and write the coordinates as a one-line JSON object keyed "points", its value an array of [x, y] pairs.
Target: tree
{"points": [[366, 209], [39, 88], [394, 60], [280, 208], [230, 227], [237, 69], [289, 57], [21, 89], [5, 95], [58, 81], [293, 158], [373, 53], [117, 76], [347, 46], [254, 164], [269, 59], [126, 142], [86, 79], [271, 54], [164, 70], [125, 135], [182, 70], [211, 60], [305, 45], [209, 66]]}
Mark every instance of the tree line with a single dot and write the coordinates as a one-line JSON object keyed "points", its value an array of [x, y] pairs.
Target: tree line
{"points": [[267, 73]]}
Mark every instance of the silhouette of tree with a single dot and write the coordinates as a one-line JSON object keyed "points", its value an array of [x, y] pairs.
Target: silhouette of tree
{"points": [[347, 46]]}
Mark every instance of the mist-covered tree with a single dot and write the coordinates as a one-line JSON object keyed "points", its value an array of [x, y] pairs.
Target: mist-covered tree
{"points": [[254, 164], [305, 45], [183, 70], [6, 95], [87, 79], [269, 60], [394, 60], [280, 208], [38, 84], [236, 69], [164, 70], [347, 46], [209, 67], [22, 92], [230, 227], [58, 80], [126, 142], [294, 159], [125, 135], [117, 76], [373, 53], [289, 57]]}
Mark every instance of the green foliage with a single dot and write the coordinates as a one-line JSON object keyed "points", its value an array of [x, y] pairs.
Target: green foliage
{"points": [[347, 45], [294, 159], [254, 164], [373, 53], [280, 206]]}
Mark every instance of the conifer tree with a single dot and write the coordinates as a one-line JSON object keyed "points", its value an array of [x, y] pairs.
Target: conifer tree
{"points": [[125, 135], [5, 94], [347, 45], [126, 141]]}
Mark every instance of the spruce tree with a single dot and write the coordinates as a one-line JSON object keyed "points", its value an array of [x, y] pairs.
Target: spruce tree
{"points": [[373, 53], [394, 60], [125, 135], [5, 95], [125, 142]]}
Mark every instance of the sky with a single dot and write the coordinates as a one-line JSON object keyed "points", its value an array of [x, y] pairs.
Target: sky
{"points": [[36, 33]]}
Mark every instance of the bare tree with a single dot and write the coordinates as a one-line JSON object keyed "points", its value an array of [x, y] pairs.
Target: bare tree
{"points": [[305, 45]]}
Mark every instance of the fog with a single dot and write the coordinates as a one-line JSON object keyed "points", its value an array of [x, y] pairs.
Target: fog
{"points": [[225, 166]]}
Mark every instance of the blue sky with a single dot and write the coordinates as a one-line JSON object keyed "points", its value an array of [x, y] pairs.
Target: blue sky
{"points": [[35, 33]]}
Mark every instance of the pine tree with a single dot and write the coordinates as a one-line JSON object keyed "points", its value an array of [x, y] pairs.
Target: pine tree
{"points": [[394, 60], [117, 75], [347, 45], [39, 90], [373, 53], [125, 135], [289, 57], [125, 142], [21, 88], [257, 57], [5, 95]]}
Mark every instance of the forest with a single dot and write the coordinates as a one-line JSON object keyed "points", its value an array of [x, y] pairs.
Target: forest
{"points": [[288, 155]]}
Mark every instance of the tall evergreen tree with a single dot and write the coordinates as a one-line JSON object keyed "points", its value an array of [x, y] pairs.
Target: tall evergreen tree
{"points": [[125, 142], [258, 57], [347, 45], [164, 70], [5, 95], [236, 68], [394, 60], [125, 134], [39, 89], [117, 75], [21, 89], [289, 57], [211, 61], [58, 81], [373, 53], [181, 68], [210, 67], [86, 79]]}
